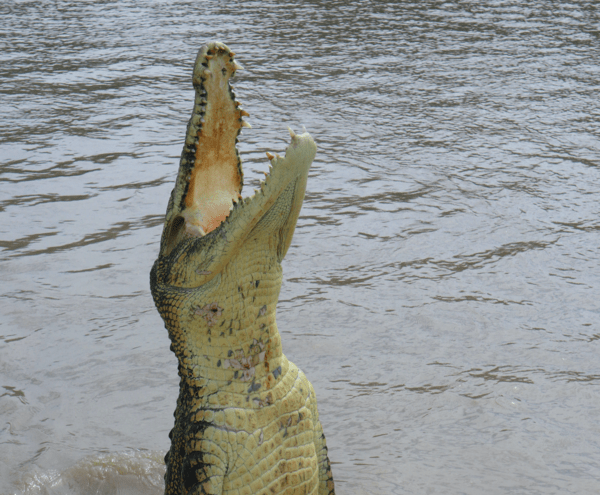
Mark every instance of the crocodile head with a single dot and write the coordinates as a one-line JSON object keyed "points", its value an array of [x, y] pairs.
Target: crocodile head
{"points": [[207, 218]]}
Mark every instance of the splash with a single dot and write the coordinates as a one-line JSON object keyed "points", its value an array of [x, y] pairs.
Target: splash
{"points": [[125, 473]]}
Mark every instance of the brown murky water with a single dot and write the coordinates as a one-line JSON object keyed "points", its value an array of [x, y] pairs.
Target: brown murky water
{"points": [[442, 288]]}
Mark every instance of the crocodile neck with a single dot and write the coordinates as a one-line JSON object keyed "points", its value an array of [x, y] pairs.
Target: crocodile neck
{"points": [[226, 340]]}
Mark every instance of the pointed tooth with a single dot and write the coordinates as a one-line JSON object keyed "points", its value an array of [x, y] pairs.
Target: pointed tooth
{"points": [[237, 66], [245, 124], [243, 113], [237, 103], [206, 72], [231, 54], [292, 133], [270, 156], [208, 57]]}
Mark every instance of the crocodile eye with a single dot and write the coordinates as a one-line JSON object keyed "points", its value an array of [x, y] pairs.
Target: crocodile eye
{"points": [[172, 237]]}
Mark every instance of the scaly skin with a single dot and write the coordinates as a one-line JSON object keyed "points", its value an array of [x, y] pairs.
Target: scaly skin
{"points": [[246, 420]]}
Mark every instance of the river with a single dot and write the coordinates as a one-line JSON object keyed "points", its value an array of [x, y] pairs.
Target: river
{"points": [[442, 289]]}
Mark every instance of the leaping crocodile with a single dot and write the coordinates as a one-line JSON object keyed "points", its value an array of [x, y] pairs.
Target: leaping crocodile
{"points": [[246, 420]]}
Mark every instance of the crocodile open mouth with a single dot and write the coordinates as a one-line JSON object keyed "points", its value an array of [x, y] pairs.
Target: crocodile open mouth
{"points": [[207, 193]]}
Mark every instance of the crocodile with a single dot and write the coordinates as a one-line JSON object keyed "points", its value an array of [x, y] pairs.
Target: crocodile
{"points": [[246, 420]]}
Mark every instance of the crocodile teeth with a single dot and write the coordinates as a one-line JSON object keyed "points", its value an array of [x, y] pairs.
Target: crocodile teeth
{"points": [[245, 124], [292, 133], [237, 66], [243, 113], [270, 156]]}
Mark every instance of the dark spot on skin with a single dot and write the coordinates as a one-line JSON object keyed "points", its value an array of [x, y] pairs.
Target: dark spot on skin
{"points": [[191, 465], [219, 363], [224, 71], [222, 334], [229, 353], [277, 372], [257, 282], [235, 375], [254, 387]]}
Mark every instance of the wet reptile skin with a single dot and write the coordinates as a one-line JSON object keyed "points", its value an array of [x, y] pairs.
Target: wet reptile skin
{"points": [[246, 420]]}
